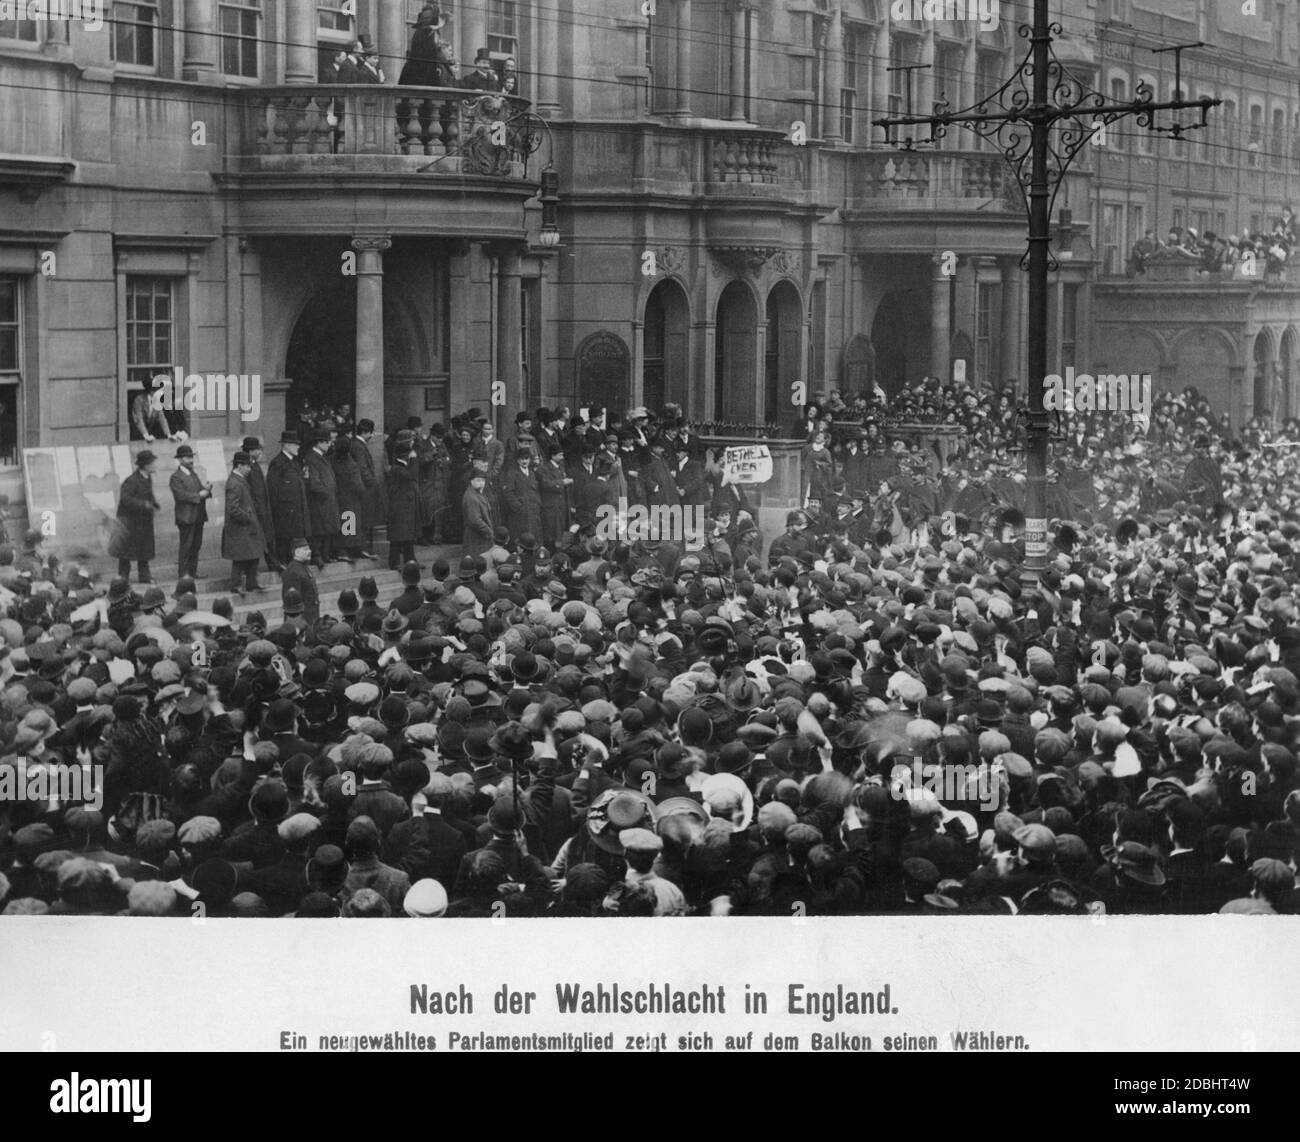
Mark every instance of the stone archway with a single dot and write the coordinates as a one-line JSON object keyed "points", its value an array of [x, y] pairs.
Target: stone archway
{"points": [[666, 352], [735, 369], [322, 355], [890, 340], [1287, 405], [1263, 387], [781, 350]]}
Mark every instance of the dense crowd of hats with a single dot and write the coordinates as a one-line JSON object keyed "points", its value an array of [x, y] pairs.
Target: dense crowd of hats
{"points": [[867, 720]]}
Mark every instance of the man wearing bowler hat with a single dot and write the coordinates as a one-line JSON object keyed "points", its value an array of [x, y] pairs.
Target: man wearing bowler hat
{"points": [[288, 496], [191, 494]]}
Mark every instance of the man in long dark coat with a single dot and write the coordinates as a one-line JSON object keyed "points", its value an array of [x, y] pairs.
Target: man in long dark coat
{"points": [[132, 537], [403, 501], [372, 491], [555, 482], [288, 496], [351, 495], [322, 501], [521, 497], [476, 509], [242, 541], [261, 499]]}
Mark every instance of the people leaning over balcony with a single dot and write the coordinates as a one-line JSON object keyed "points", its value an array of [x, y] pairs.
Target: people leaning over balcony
{"points": [[1214, 254]]}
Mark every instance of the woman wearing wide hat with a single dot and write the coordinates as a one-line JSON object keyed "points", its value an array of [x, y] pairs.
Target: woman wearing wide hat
{"points": [[133, 537]]}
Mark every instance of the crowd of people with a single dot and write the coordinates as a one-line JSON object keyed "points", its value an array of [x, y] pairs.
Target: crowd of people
{"points": [[1253, 253], [879, 713]]}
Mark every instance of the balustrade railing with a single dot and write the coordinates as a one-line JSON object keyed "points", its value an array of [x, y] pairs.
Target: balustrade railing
{"points": [[484, 129]]}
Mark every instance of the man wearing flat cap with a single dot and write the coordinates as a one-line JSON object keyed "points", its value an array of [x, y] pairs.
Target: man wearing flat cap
{"points": [[641, 848]]}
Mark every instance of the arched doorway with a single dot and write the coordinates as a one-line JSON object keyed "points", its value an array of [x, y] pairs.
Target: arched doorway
{"points": [[735, 391], [322, 355], [1286, 361], [1263, 374], [665, 358], [781, 354], [889, 338]]}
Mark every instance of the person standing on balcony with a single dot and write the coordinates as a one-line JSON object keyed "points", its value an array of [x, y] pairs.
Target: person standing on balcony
{"points": [[366, 58], [191, 494], [339, 68], [484, 76], [429, 60]]}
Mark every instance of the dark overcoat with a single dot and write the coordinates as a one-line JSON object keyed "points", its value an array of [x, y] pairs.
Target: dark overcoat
{"points": [[322, 494], [403, 504], [133, 535], [288, 496], [522, 501], [351, 489], [262, 502], [242, 537]]}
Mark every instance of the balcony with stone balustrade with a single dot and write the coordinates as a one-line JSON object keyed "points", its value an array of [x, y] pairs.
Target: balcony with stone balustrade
{"points": [[351, 151]]}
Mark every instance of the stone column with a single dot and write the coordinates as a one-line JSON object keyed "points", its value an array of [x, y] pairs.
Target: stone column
{"points": [[300, 52], [391, 38], [510, 373], [970, 67], [834, 79], [940, 332], [880, 71], [473, 35], [370, 328], [200, 64], [547, 65], [738, 56], [1009, 349], [683, 108], [925, 79]]}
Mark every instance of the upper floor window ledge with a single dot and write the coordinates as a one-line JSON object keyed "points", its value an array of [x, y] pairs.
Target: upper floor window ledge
{"points": [[33, 175]]}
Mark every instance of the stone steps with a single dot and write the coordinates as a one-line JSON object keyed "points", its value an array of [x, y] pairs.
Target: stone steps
{"points": [[214, 583]]}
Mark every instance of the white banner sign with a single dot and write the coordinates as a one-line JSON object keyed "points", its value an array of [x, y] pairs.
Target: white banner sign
{"points": [[747, 464]]}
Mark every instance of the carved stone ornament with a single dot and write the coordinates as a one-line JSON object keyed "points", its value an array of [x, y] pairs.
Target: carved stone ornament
{"points": [[672, 259], [787, 263], [744, 259], [481, 154]]}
